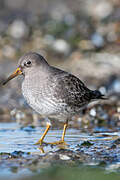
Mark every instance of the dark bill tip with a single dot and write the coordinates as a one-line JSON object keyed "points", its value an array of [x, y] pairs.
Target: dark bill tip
{"points": [[16, 73]]}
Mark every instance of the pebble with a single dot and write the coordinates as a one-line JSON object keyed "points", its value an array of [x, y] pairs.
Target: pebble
{"points": [[114, 85], [64, 157], [99, 9], [97, 40], [103, 9], [61, 46], [93, 112], [18, 29]]}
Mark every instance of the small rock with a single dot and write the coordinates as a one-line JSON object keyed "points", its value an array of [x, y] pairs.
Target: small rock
{"points": [[100, 9], [93, 112], [97, 40], [61, 46], [64, 157], [86, 143], [18, 29]]}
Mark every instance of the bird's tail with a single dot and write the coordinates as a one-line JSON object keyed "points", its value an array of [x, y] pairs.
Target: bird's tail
{"points": [[98, 95]]}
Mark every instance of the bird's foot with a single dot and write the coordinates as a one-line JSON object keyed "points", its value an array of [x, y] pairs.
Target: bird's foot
{"points": [[61, 142], [40, 142], [41, 150]]}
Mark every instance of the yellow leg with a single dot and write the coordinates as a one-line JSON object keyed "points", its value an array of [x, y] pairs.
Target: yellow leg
{"points": [[64, 131], [63, 135], [40, 141]]}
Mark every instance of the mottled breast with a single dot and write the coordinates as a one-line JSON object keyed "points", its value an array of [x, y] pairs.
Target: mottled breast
{"points": [[41, 98]]}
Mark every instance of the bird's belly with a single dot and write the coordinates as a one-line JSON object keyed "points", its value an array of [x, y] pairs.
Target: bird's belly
{"points": [[45, 106]]}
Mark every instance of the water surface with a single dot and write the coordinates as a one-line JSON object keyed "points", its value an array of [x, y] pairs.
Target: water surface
{"points": [[96, 145]]}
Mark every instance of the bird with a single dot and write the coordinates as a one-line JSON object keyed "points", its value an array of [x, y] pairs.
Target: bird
{"points": [[52, 92]]}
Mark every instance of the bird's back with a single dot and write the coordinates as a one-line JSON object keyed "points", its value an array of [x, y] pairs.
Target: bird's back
{"points": [[70, 90]]}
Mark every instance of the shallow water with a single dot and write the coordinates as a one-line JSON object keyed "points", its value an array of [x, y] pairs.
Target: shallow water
{"points": [[15, 139]]}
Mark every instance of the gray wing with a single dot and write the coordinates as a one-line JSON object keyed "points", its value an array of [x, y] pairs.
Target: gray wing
{"points": [[71, 90]]}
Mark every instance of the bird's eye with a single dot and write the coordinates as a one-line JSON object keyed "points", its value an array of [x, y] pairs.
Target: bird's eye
{"points": [[28, 63]]}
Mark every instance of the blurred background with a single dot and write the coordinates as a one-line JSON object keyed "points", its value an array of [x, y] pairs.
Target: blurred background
{"points": [[82, 37]]}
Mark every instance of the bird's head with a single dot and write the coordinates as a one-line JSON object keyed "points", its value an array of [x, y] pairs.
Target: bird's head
{"points": [[28, 64]]}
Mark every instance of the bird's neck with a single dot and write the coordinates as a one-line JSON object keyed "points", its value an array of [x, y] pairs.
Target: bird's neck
{"points": [[37, 75]]}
